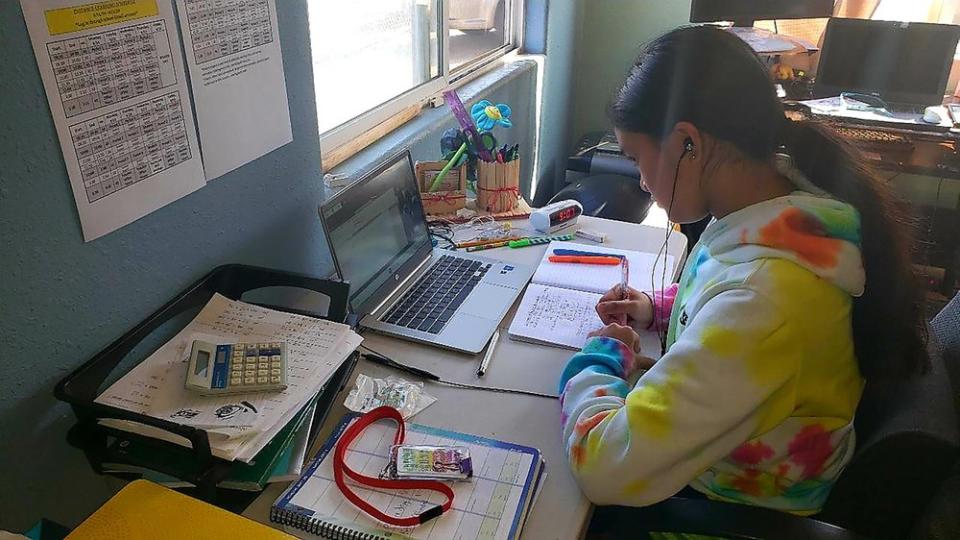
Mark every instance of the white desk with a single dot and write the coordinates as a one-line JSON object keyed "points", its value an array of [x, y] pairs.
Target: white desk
{"points": [[561, 511]]}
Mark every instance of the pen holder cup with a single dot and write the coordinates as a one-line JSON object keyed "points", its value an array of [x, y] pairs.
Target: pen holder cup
{"points": [[498, 186]]}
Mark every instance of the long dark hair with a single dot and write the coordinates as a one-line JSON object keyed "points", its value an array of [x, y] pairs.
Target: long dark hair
{"points": [[712, 79]]}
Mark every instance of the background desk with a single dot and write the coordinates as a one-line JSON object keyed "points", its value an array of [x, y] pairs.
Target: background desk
{"points": [[561, 511]]}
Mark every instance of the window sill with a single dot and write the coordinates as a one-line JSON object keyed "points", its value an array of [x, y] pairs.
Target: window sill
{"points": [[431, 122]]}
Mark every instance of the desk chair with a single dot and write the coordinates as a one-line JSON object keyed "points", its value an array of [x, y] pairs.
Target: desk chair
{"points": [[941, 519], [908, 442]]}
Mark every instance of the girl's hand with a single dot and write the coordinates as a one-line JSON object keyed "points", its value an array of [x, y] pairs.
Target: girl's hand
{"points": [[628, 337], [636, 311]]}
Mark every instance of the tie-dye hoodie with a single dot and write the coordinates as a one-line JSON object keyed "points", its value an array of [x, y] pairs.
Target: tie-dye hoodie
{"points": [[754, 400]]}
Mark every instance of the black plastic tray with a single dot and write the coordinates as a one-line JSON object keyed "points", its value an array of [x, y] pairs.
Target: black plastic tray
{"points": [[84, 384]]}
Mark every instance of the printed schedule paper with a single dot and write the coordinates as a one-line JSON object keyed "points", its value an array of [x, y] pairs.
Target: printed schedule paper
{"points": [[115, 82], [236, 75]]}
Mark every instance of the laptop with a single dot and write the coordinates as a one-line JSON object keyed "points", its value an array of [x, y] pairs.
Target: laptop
{"points": [[399, 284], [906, 65]]}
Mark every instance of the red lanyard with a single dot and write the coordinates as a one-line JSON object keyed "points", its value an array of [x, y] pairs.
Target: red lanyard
{"points": [[340, 468]]}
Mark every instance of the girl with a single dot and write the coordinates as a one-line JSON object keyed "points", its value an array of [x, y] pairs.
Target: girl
{"points": [[798, 291]]}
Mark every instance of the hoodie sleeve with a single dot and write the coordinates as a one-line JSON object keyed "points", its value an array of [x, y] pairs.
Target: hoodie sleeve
{"points": [[729, 375], [662, 306]]}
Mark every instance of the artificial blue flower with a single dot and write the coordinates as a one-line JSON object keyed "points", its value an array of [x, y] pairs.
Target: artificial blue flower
{"points": [[487, 116]]}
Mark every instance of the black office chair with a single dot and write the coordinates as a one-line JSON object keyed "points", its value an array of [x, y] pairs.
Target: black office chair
{"points": [[941, 519], [908, 442], [610, 196]]}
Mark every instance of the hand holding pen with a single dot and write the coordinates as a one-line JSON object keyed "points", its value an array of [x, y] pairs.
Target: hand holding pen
{"points": [[635, 309]]}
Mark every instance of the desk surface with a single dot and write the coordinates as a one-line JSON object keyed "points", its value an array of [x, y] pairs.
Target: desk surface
{"points": [[561, 510]]}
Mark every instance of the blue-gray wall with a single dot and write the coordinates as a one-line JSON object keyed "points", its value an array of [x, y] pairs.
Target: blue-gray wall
{"points": [[62, 300], [589, 46], [610, 35], [564, 18]]}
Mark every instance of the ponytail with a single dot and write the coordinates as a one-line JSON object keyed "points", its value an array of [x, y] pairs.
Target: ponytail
{"points": [[889, 331], [740, 106]]}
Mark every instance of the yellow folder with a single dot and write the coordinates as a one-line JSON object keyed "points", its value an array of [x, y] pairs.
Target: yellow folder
{"points": [[144, 510]]}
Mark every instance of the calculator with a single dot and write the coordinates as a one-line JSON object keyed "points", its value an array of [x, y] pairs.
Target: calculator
{"points": [[237, 368]]}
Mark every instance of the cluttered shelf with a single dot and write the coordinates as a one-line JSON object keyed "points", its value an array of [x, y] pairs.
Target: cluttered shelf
{"points": [[147, 423]]}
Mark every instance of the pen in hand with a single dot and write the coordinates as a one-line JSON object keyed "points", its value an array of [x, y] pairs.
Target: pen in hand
{"points": [[624, 292]]}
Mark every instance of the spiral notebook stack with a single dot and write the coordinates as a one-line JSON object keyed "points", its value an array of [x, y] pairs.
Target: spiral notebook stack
{"points": [[493, 504]]}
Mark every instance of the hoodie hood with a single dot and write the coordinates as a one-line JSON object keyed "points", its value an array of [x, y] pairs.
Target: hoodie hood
{"points": [[816, 232]]}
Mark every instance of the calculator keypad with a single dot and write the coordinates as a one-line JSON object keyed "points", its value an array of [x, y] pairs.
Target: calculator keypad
{"points": [[255, 366]]}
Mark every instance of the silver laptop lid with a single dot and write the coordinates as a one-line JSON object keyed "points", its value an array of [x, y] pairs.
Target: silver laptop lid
{"points": [[377, 231]]}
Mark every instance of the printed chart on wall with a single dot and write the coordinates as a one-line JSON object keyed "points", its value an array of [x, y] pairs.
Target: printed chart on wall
{"points": [[115, 81], [236, 74]]}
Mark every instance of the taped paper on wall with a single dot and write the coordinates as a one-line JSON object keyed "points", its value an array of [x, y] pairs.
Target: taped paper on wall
{"points": [[118, 95]]}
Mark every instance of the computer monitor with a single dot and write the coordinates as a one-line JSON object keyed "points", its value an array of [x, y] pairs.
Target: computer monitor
{"points": [[902, 63], [745, 12]]}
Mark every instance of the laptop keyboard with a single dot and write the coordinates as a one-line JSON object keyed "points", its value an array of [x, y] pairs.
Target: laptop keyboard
{"points": [[430, 303]]}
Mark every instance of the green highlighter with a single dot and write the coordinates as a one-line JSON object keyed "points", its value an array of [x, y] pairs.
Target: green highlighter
{"points": [[539, 240]]}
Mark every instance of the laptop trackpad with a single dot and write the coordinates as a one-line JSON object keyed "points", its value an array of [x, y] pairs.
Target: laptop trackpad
{"points": [[489, 301], [468, 332]]}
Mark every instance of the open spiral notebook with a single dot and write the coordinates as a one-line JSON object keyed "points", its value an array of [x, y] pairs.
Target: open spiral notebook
{"points": [[493, 504], [559, 306]]}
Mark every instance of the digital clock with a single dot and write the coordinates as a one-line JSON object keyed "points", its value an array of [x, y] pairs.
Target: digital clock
{"points": [[556, 216]]}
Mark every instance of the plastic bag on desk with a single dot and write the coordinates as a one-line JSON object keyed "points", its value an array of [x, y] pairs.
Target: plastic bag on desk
{"points": [[405, 396]]}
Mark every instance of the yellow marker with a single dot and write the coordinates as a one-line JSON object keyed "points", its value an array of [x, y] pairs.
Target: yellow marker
{"points": [[86, 16]]}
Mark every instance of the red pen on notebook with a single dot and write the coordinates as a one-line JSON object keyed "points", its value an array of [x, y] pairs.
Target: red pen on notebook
{"points": [[584, 259]]}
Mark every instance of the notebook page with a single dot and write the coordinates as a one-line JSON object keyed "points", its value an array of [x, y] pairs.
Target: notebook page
{"points": [[490, 505], [555, 316], [600, 278]]}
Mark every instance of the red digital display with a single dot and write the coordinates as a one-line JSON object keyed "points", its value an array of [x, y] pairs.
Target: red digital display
{"points": [[564, 215]]}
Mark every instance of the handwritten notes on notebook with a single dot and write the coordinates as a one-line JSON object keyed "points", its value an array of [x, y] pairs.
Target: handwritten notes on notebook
{"points": [[555, 316], [558, 307]]}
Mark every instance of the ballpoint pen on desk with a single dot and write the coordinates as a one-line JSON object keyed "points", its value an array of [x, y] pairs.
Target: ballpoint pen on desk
{"points": [[384, 361], [488, 355]]}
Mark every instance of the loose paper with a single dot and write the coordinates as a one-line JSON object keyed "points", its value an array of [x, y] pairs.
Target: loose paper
{"points": [[117, 91], [315, 350], [236, 74]]}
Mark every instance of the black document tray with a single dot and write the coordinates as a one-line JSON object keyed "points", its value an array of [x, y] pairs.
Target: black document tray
{"points": [[84, 384]]}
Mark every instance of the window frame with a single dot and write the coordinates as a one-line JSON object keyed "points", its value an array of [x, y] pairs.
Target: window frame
{"points": [[429, 91]]}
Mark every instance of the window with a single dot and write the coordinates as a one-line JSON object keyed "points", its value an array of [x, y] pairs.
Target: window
{"points": [[375, 58], [476, 28]]}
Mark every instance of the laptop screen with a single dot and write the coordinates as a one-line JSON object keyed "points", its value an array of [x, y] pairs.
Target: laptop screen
{"points": [[900, 62], [376, 229]]}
